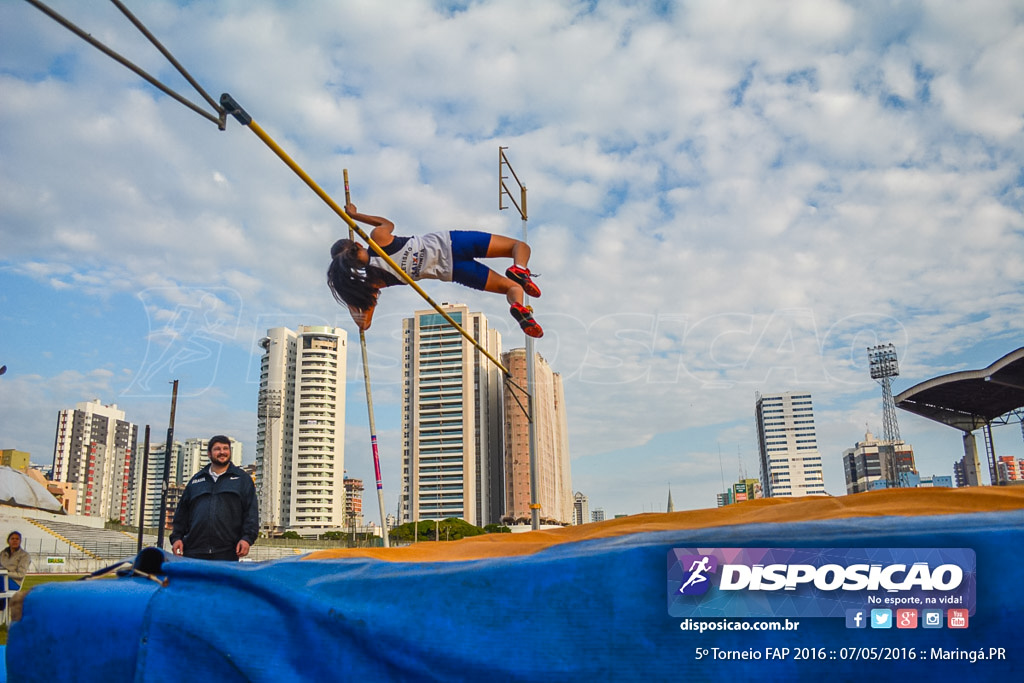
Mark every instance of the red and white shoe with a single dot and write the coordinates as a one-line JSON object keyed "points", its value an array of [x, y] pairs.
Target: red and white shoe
{"points": [[522, 276], [524, 316]]}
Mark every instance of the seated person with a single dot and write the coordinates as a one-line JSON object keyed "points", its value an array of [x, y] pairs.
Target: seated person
{"points": [[15, 560]]}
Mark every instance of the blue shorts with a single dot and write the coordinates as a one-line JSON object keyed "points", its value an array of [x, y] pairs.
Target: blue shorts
{"points": [[468, 245]]}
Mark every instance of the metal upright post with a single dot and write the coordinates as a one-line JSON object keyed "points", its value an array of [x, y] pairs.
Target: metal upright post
{"points": [[531, 390], [531, 404]]}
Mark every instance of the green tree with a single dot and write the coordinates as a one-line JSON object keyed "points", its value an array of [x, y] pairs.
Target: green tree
{"points": [[451, 529]]}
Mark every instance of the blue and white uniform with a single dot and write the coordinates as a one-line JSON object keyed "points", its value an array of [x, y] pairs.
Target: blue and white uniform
{"points": [[449, 256], [426, 256]]}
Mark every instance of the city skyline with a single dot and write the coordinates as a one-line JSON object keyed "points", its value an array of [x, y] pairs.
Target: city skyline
{"points": [[745, 198], [861, 462], [47, 463]]}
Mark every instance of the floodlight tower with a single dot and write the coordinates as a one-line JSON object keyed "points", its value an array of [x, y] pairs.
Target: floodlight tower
{"points": [[884, 367], [269, 408]]}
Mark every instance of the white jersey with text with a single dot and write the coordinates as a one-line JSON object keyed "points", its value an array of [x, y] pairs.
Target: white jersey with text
{"points": [[427, 256]]}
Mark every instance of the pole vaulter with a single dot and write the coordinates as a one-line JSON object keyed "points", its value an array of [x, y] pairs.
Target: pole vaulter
{"points": [[232, 108]]}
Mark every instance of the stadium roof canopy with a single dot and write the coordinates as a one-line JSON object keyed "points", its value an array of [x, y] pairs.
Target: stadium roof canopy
{"points": [[970, 399], [20, 490]]}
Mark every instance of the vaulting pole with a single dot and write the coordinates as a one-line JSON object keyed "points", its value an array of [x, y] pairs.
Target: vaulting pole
{"points": [[233, 108], [369, 403]]}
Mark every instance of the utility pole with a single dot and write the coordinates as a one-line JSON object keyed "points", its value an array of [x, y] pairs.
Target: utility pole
{"points": [[531, 405], [142, 489], [167, 469]]}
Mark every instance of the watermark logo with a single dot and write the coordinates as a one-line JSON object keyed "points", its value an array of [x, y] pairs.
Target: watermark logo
{"points": [[188, 330], [697, 580], [820, 582]]}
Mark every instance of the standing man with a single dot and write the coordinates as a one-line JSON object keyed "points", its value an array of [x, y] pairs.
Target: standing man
{"points": [[218, 514]]}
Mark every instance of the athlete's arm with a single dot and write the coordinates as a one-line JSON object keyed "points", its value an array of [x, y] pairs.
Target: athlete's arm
{"points": [[383, 229]]}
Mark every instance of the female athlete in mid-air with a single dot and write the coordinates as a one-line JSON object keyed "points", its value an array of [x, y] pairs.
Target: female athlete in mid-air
{"points": [[357, 275]]}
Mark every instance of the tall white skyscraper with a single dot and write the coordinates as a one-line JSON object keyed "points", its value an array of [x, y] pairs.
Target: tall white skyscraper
{"points": [[94, 450], [554, 480], [451, 419], [790, 462], [300, 438]]}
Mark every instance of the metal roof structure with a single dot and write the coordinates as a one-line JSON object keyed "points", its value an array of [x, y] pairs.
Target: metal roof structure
{"points": [[970, 399], [21, 490]]}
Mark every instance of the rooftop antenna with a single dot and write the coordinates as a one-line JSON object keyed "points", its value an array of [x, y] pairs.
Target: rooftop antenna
{"points": [[721, 467]]}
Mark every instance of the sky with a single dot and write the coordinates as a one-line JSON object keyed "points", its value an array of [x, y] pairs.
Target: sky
{"points": [[724, 198]]}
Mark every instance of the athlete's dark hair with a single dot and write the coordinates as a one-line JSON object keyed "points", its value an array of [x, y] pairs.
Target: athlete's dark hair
{"points": [[351, 283]]}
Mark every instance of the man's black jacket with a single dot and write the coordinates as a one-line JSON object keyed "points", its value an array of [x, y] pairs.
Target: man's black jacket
{"points": [[213, 516]]}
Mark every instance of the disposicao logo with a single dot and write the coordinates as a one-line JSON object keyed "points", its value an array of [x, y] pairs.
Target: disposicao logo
{"points": [[822, 582], [697, 581]]}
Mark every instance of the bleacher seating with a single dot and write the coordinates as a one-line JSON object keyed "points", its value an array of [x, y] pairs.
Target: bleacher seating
{"points": [[110, 545], [102, 544]]}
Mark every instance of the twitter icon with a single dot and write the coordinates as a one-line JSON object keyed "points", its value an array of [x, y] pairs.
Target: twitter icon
{"points": [[881, 618]]}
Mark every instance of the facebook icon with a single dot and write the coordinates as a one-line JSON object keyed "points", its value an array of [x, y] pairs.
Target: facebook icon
{"points": [[856, 618]]}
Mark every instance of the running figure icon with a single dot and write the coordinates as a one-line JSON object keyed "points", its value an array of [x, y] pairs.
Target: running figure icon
{"points": [[696, 570]]}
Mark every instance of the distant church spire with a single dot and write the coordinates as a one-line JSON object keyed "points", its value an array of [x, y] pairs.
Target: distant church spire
{"points": [[671, 507]]}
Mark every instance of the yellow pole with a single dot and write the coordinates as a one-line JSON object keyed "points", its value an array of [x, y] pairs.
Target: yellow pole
{"points": [[269, 142]]}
